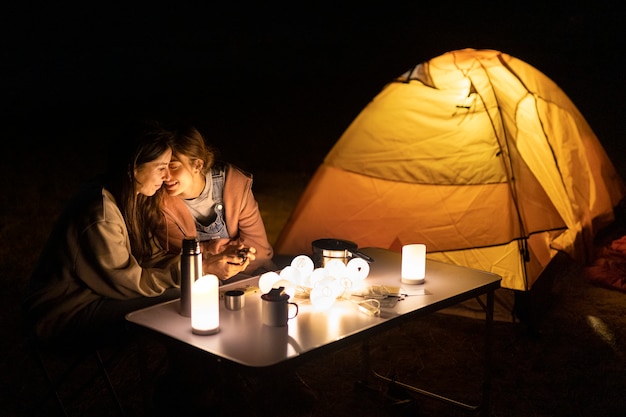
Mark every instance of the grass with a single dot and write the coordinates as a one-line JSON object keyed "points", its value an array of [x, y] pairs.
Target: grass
{"points": [[277, 194]]}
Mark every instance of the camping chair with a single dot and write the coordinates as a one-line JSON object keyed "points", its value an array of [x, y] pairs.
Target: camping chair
{"points": [[72, 369]]}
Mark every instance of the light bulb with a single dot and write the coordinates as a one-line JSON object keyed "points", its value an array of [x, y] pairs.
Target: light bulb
{"points": [[358, 269], [304, 265], [322, 297], [291, 274], [267, 280], [335, 268], [317, 275]]}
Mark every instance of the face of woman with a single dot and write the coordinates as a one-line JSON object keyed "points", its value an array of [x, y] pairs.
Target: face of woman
{"points": [[186, 179], [149, 177]]}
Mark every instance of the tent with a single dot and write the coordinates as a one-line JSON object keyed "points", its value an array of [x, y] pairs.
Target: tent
{"points": [[475, 153]]}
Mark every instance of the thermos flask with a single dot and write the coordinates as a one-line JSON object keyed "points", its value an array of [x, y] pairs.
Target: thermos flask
{"points": [[190, 271]]}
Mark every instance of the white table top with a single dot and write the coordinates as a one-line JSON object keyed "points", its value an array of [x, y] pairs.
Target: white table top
{"points": [[243, 339]]}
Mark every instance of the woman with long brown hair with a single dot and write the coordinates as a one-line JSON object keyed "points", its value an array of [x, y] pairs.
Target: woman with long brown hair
{"points": [[102, 260]]}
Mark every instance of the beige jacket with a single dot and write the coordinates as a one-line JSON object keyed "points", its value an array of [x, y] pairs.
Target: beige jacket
{"points": [[87, 257]]}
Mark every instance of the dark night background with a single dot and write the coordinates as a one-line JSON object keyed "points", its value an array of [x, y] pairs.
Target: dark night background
{"points": [[285, 78]]}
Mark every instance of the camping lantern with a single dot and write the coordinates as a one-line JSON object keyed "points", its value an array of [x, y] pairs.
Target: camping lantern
{"points": [[205, 305], [413, 263]]}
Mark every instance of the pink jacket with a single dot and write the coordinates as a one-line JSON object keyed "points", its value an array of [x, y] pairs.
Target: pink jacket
{"points": [[243, 220]]}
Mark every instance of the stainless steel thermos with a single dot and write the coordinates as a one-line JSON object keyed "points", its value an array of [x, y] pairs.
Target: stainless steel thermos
{"points": [[190, 271]]}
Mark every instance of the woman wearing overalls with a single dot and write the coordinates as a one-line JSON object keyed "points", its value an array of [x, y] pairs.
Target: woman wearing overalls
{"points": [[227, 219]]}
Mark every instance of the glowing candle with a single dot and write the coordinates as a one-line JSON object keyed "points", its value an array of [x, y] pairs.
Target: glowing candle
{"points": [[205, 305], [413, 263]]}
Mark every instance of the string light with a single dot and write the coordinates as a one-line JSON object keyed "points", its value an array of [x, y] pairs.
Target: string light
{"points": [[322, 285]]}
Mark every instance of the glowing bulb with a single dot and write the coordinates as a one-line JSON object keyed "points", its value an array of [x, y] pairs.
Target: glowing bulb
{"points": [[267, 280], [317, 275], [335, 268], [337, 286], [291, 274], [322, 297], [304, 265], [358, 269], [345, 283]]}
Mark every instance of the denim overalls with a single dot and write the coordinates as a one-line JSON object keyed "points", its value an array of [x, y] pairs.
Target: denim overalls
{"points": [[217, 229]]}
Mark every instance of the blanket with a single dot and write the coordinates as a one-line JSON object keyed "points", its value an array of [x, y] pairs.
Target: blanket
{"points": [[609, 267]]}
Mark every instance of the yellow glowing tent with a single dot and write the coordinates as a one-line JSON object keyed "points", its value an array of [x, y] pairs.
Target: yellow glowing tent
{"points": [[476, 154]]}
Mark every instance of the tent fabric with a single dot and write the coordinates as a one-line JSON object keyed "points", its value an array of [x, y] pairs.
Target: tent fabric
{"points": [[476, 154]]}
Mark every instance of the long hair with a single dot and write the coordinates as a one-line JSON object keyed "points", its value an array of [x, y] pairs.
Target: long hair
{"points": [[189, 141], [139, 144]]}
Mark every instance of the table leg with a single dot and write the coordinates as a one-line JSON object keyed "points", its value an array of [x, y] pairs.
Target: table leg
{"points": [[484, 406], [486, 403], [144, 374], [365, 361]]}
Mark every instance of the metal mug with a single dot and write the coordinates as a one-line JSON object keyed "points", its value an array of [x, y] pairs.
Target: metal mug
{"points": [[234, 299], [275, 306]]}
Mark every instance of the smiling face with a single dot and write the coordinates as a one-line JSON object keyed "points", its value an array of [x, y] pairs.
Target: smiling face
{"points": [[149, 177], [186, 177]]}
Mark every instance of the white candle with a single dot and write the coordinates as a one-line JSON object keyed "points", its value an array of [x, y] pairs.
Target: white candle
{"points": [[413, 263], [205, 305]]}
